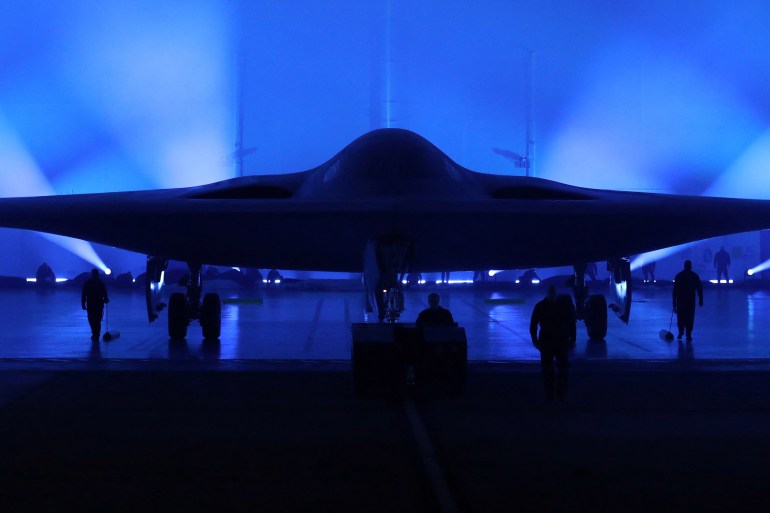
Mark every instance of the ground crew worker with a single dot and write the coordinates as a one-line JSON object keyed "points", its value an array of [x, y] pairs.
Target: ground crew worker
{"points": [[555, 315], [686, 284], [93, 299]]}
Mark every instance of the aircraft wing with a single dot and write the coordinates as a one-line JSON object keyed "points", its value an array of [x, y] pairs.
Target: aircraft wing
{"points": [[387, 183]]}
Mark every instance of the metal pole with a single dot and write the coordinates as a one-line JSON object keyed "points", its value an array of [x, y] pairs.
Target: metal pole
{"points": [[239, 108], [529, 151]]}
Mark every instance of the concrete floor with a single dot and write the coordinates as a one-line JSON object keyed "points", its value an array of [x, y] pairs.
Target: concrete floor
{"points": [[303, 324], [267, 421]]}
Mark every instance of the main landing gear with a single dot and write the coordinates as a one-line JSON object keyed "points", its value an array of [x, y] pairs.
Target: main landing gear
{"points": [[181, 312], [184, 307], [592, 309]]}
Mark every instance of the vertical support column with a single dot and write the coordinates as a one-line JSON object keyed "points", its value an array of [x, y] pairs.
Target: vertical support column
{"points": [[764, 251], [529, 149]]}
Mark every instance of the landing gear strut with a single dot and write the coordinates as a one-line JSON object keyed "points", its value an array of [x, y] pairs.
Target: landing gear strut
{"points": [[385, 264], [620, 287], [183, 308], [153, 282], [592, 309]]}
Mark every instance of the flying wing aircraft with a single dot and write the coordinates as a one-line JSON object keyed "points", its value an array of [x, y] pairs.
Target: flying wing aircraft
{"points": [[387, 203]]}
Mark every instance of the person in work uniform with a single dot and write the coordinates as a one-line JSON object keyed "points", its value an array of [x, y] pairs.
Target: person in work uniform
{"points": [[555, 316], [93, 299], [722, 263], [435, 314], [411, 349], [686, 284]]}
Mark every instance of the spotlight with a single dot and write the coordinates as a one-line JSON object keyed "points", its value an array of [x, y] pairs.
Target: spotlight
{"points": [[761, 267], [107, 271]]}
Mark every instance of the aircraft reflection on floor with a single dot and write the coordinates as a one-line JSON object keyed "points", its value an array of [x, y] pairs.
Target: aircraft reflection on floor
{"points": [[315, 325]]}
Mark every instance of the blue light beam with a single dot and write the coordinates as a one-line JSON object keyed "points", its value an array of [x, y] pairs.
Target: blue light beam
{"points": [[20, 176], [659, 254]]}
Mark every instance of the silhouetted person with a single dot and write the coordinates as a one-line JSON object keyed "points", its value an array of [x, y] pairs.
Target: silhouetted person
{"points": [[686, 284], [435, 314], [528, 276], [555, 315], [411, 348], [93, 299], [445, 277], [45, 277], [274, 276], [649, 271], [413, 279], [722, 262], [591, 271]]}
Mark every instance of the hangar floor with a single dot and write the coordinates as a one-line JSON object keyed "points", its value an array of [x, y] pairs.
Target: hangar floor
{"points": [[266, 420], [303, 324]]}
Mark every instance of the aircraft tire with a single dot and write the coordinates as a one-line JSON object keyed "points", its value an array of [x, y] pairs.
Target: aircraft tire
{"points": [[177, 316], [596, 317], [211, 316]]}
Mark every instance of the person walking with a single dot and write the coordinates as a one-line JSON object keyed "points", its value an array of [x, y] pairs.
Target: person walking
{"points": [[92, 299], [686, 285], [555, 316]]}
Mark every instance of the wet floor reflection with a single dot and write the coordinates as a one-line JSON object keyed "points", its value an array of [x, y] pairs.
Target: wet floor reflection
{"points": [[685, 350], [315, 325]]}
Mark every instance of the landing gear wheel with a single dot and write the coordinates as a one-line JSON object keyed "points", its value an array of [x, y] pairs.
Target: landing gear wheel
{"points": [[178, 317], [596, 317], [211, 316]]}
